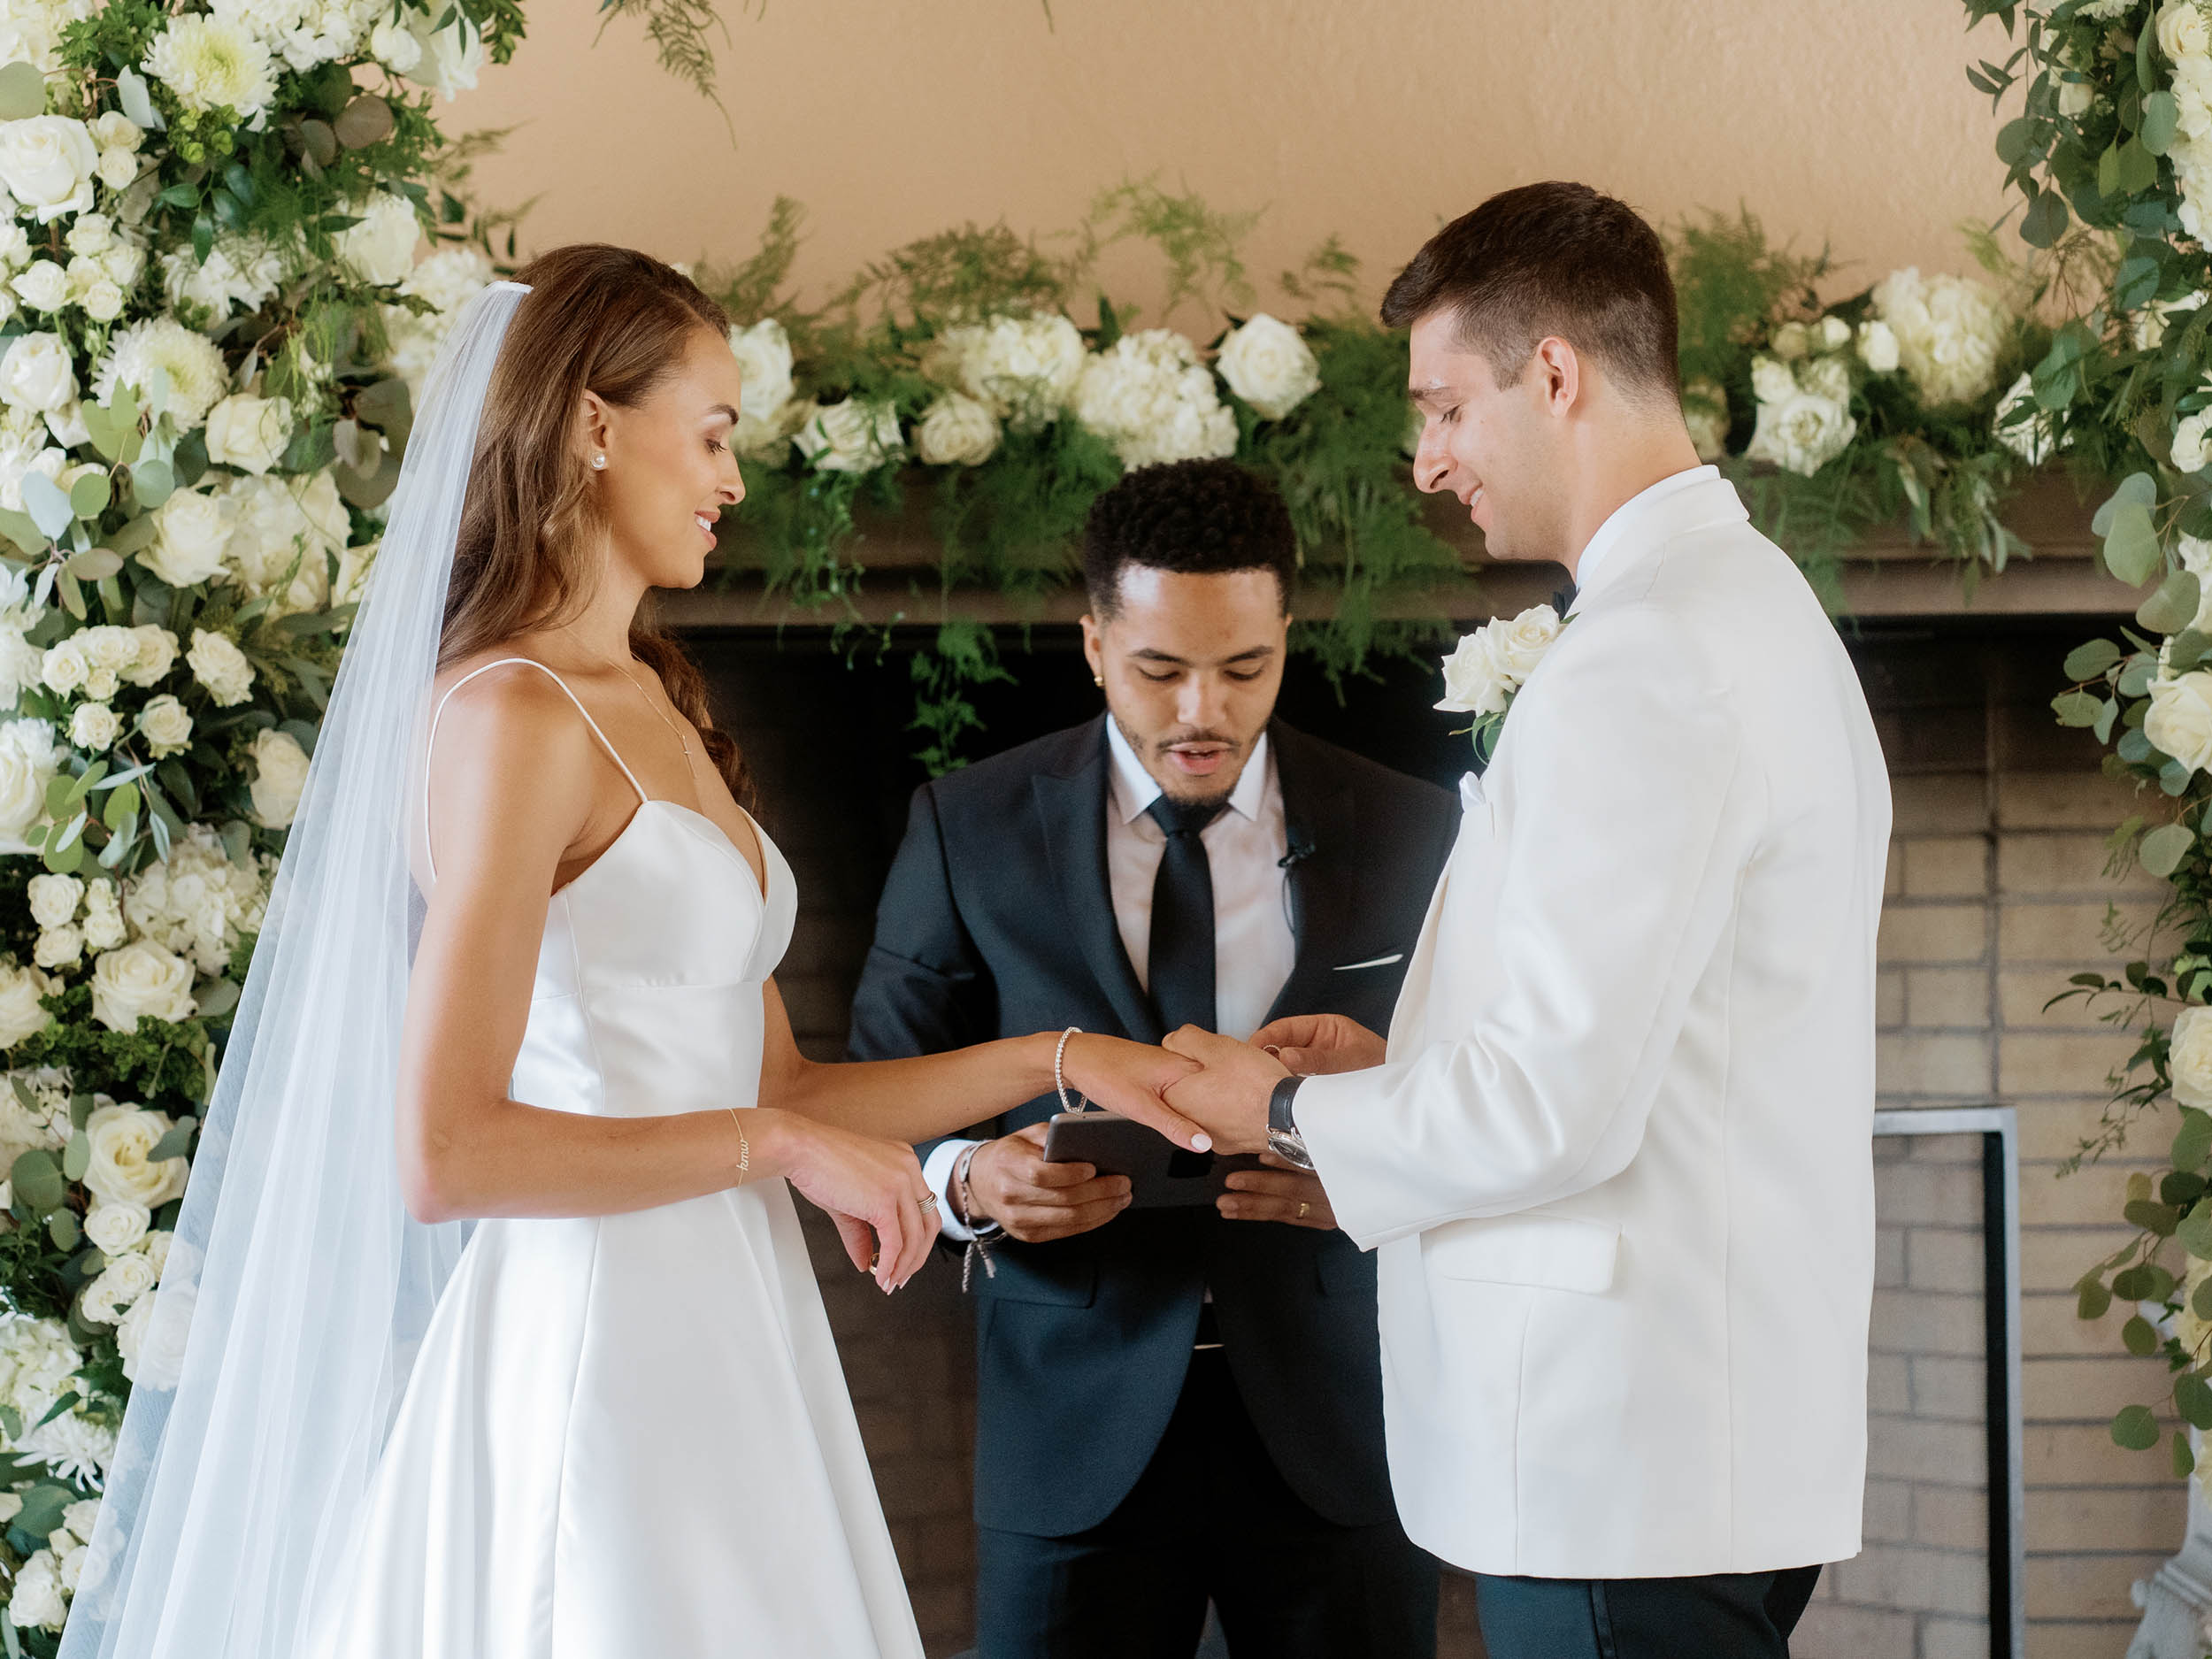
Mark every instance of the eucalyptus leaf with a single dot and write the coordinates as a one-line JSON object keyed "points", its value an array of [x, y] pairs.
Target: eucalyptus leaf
{"points": [[2173, 607], [2174, 776], [2184, 1458], [2093, 1300], [366, 120], [62, 1228], [76, 1157], [43, 499], [36, 1179], [153, 482], [2193, 1141], [2139, 1337], [217, 998], [22, 91], [2195, 1233], [94, 564], [2045, 221], [2076, 708], [176, 1143], [2164, 848], [2130, 548], [2092, 661], [2137, 488], [2135, 1428], [130, 91], [21, 529]]}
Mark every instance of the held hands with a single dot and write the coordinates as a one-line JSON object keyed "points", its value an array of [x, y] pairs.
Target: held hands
{"points": [[1133, 1079], [1228, 1098], [1035, 1200]]}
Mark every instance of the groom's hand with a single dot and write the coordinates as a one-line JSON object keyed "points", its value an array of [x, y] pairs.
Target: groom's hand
{"points": [[1281, 1191], [1313, 1045], [1229, 1098]]}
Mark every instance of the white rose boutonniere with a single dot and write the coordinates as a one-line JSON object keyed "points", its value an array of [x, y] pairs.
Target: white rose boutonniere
{"points": [[1487, 669]]}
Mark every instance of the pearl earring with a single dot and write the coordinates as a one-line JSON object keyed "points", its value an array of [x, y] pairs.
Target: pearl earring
{"points": [[1099, 680], [598, 462]]}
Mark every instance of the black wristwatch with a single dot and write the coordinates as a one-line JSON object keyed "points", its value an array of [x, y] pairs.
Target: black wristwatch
{"points": [[1283, 1139]]}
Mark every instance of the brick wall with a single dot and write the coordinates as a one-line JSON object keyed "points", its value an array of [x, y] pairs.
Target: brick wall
{"points": [[1996, 894]]}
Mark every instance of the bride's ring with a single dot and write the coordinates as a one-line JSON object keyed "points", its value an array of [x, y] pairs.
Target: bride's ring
{"points": [[927, 1200]]}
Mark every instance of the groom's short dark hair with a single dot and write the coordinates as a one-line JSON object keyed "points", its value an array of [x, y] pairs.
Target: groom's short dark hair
{"points": [[1194, 517], [1547, 259]]}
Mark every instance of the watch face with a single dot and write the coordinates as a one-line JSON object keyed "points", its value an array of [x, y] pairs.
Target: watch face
{"points": [[1290, 1146]]}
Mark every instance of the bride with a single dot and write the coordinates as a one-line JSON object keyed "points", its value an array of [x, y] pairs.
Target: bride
{"points": [[498, 1337]]}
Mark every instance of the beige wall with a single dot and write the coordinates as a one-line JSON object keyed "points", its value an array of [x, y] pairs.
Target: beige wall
{"points": [[1848, 122]]}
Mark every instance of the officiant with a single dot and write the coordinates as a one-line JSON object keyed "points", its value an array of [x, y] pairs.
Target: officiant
{"points": [[1173, 1405]]}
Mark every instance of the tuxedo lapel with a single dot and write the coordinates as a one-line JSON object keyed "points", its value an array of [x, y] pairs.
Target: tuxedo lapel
{"points": [[1317, 823], [1072, 814]]}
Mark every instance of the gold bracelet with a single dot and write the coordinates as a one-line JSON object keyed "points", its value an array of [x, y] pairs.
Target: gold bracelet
{"points": [[744, 1146]]}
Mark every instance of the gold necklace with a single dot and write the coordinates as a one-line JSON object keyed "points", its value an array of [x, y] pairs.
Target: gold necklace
{"points": [[675, 730]]}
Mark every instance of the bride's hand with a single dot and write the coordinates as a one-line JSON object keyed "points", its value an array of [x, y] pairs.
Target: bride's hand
{"points": [[1132, 1078], [872, 1189]]}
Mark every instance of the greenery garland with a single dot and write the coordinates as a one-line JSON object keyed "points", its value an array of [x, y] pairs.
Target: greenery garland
{"points": [[986, 375], [2111, 155]]}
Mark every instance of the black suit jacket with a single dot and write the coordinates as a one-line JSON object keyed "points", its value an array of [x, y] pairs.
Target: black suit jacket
{"points": [[997, 920]]}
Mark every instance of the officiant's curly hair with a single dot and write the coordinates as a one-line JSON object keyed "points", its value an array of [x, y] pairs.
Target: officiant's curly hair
{"points": [[606, 319], [1194, 517], [1550, 260]]}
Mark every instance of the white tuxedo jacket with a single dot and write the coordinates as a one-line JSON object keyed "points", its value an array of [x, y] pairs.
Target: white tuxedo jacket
{"points": [[1619, 1163]]}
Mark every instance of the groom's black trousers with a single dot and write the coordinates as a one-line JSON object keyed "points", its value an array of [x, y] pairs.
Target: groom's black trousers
{"points": [[1209, 1518], [1724, 1615]]}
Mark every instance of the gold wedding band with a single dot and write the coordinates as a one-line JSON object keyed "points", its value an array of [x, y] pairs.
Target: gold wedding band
{"points": [[927, 1200], [1302, 1208]]}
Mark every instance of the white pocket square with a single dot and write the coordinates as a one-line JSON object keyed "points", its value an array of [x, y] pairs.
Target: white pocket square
{"points": [[1372, 961]]}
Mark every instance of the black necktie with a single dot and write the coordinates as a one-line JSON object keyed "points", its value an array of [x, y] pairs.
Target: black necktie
{"points": [[1181, 963]]}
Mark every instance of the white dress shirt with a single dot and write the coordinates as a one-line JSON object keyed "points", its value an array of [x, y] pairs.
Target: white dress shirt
{"points": [[1254, 947]]}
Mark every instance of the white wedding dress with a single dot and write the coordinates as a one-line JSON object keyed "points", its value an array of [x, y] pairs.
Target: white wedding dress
{"points": [[630, 1435]]}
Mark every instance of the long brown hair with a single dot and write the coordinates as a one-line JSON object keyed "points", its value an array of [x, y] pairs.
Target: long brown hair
{"points": [[598, 319]]}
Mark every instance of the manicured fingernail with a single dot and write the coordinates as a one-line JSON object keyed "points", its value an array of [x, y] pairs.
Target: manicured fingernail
{"points": [[1201, 1143]]}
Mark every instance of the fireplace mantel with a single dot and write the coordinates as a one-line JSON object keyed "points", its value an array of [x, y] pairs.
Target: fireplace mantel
{"points": [[1886, 576]]}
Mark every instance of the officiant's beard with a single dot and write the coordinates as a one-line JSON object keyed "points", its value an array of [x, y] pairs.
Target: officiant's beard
{"points": [[1210, 790]]}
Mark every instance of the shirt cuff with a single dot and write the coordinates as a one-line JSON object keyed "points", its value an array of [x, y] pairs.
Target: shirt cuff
{"points": [[937, 1174]]}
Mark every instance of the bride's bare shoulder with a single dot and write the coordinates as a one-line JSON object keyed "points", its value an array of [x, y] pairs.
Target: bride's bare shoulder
{"points": [[498, 707]]}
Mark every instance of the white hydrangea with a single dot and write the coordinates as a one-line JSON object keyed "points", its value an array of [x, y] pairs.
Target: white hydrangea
{"points": [[1023, 369], [213, 63], [445, 281], [188, 358], [239, 271], [306, 32], [1151, 397], [196, 904], [41, 1122], [2185, 35], [30, 31], [1950, 331]]}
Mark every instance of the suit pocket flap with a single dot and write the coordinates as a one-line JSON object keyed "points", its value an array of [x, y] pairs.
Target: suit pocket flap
{"points": [[1552, 1252]]}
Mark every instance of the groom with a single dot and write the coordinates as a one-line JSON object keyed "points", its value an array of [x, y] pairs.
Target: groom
{"points": [[1616, 1152]]}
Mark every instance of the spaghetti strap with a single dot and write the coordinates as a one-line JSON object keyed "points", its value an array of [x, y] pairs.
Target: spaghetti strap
{"points": [[438, 714]]}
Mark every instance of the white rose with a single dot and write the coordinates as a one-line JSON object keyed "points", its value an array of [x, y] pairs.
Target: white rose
{"points": [[156, 654], [1773, 382], [2193, 442], [1790, 341], [1705, 415], [1834, 333], [450, 56], [395, 46], [94, 728], [44, 286], [102, 301], [2189, 1058], [122, 1282], [115, 1224], [1496, 659], [141, 978], [104, 930], [764, 369], [856, 435], [21, 1015], [59, 948], [191, 538], [2179, 722], [279, 774], [1877, 346], [2074, 98], [113, 130], [37, 373], [36, 1602], [379, 250], [64, 668], [121, 1170], [2183, 32], [1827, 377], [1802, 433], [26, 766], [956, 431], [249, 432], [168, 728], [1269, 365], [220, 666], [152, 1335], [15, 245], [47, 162], [54, 899], [116, 168]]}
